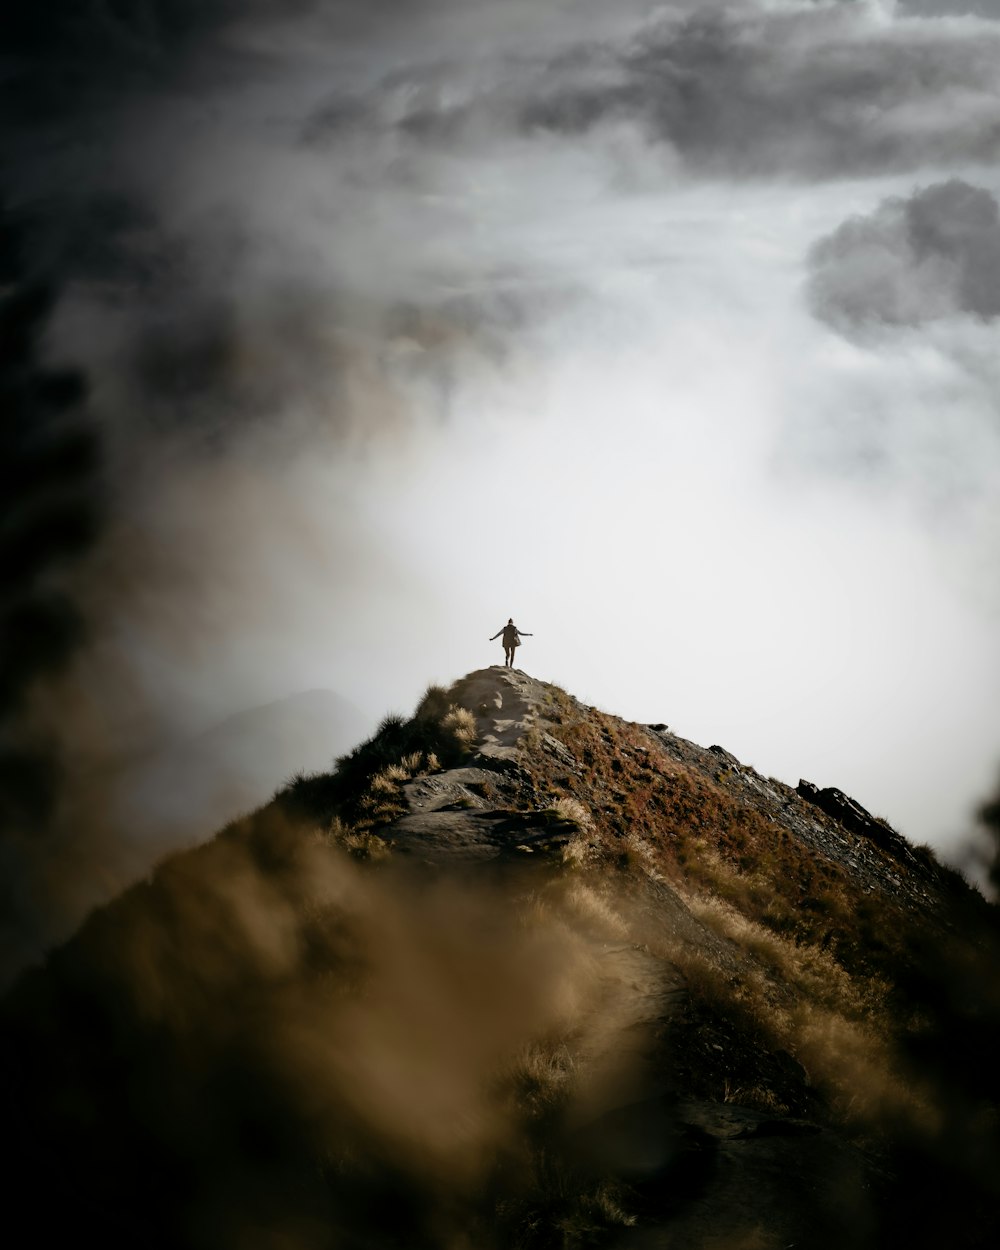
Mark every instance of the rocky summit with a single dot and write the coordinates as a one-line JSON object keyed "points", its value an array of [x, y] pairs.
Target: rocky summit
{"points": [[519, 973]]}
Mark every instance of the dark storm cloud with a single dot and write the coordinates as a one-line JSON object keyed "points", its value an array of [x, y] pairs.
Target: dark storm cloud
{"points": [[936, 254], [58, 55], [221, 375], [52, 504], [204, 341], [123, 27], [821, 94], [54, 500], [948, 8], [814, 93]]}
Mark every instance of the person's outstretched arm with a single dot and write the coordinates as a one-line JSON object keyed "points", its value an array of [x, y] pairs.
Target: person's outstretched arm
{"points": [[497, 634]]}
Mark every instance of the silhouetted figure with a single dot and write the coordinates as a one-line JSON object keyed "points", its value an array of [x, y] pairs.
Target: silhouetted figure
{"points": [[511, 639]]}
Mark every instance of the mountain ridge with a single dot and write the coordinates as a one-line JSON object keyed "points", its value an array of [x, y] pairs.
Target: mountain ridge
{"points": [[520, 973]]}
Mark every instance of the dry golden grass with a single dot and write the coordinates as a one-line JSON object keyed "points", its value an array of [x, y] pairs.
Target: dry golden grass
{"points": [[364, 845], [385, 782], [755, 1095], [796, 998], [577, 851], [689, 825], [801, 966], [855, 1065], [460, 725], [594, 911], [538, 1077], [638, 854], [572, 811], [399, 772]]}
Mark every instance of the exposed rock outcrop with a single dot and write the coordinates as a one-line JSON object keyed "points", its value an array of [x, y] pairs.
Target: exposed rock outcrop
{"points": [[858, 819]]}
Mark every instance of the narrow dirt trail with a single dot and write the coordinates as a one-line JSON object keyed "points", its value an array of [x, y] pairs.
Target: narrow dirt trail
{"points": [[638, 992], [505, 703], [637, 989], [450, 821], [481, 810]]}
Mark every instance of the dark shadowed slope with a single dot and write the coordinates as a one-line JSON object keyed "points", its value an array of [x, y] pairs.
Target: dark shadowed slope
{"points": [[520, 974]]}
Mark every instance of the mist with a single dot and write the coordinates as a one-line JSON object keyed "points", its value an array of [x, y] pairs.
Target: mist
{"points": [[402, 1022], [395, 321]]}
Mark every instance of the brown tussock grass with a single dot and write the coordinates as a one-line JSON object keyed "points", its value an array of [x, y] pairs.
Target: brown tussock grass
{"points": [[795, 997], [571, 811], [460, 724]]}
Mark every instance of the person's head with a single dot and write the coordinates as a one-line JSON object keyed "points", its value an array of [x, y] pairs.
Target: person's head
{"points": [[510, 620]]}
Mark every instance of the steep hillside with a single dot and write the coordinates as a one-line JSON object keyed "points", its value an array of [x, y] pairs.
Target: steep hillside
{"points": [[520, 974]]}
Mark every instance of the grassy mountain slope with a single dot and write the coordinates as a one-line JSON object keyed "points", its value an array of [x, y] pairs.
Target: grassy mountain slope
{"points": [[519, 973]]}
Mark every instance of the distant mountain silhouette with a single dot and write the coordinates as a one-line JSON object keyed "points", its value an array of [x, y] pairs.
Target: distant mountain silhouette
{"points": [[187, 790]]}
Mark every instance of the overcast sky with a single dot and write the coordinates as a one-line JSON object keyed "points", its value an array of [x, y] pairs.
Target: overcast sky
{"points": [[669, 330]]}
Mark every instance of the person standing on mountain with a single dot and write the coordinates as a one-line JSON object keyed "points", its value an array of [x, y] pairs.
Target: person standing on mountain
{"points": [[511, 639]]}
